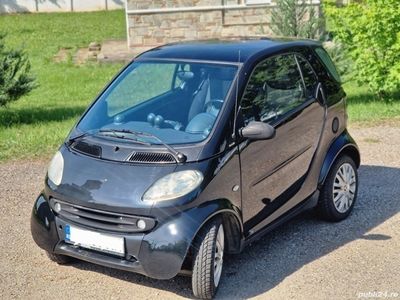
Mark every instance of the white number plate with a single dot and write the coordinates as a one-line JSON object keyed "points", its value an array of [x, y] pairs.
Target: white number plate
{"points": [[95, 240]]}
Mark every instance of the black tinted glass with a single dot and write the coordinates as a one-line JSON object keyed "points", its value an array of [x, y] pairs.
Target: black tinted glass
{"points": [[323, 55], [310, 80], [274, 89]]}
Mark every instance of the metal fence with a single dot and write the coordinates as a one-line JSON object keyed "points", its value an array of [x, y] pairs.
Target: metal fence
{"points": [[16, 6]]}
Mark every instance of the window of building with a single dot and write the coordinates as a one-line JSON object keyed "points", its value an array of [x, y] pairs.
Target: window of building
{"points": [[250, 2]]}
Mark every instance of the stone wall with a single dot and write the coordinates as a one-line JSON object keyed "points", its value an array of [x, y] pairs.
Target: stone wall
{"points": [[151, 4], [149, 29]]}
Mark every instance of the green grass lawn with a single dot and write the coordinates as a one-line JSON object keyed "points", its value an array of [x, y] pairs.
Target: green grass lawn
{"points": [[35, 125], [363, 108]]}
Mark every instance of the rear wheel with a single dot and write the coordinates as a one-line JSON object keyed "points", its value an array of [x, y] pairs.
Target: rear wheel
{"points": [[208, 259], [339, 191], [60, 259]]}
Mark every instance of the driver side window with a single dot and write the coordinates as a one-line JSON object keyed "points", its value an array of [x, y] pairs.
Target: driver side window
{"points": [[274, 89]]}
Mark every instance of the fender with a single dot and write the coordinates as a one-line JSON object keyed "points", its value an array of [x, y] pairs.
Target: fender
{"points": [[165, 248], [43, 226], [344, 143]]}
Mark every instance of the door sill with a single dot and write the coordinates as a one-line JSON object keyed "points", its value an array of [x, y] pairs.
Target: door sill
{"points": [[310, 202]]}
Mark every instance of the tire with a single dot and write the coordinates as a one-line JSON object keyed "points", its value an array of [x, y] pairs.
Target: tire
{"points": [[208, 259], [59, 259], [339, 192]]}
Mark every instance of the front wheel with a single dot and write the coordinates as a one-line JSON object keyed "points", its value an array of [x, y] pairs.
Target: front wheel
{"points": [[339, 191], [208, 259]]}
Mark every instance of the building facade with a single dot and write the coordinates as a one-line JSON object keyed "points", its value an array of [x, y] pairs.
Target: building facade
{"points": [[154, 22]]}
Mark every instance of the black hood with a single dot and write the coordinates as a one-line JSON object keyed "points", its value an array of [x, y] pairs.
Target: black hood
{"points": [[106, 185]]}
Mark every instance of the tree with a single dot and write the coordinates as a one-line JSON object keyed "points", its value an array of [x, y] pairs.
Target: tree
{"points": [[15, 77], [296, 18], [370, 29]]}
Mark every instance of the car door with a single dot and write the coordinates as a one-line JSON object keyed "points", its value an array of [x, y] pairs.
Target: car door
{"points": [[283, 95]]}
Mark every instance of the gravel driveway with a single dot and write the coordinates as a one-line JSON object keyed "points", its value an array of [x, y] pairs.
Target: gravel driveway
{"points": [[304, 259]]}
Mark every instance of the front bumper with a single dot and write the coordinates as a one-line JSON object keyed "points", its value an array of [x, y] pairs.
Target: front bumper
{"points": [[158, 254]]}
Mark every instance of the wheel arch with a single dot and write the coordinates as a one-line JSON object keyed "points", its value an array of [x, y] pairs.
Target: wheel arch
{"points": [[233, 228], [344, 144], [352, 151], [231, 220], [233, 232], [167, 249]]}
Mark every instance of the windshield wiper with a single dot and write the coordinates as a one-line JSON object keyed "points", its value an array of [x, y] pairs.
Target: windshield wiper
{"points": [[115, 132], [112, 131], [179, 157], [82, 135]]}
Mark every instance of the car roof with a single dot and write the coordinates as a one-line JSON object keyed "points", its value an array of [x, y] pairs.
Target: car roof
{"points": [[235, 50]]}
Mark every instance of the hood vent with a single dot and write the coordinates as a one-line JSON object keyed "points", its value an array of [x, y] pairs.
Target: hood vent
{"points": [[152, 158], [85, 148]]}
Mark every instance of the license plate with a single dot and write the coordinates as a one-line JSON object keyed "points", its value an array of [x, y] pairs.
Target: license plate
{"points": [[95, 240]]}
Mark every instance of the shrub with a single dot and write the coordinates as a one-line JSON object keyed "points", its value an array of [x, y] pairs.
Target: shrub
{"points": [[296, 18], [370, 30], [15, 78]]}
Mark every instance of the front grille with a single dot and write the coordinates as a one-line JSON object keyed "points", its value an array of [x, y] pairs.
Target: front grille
{"points": [[99, 219], [152, 157], [85, 148]]}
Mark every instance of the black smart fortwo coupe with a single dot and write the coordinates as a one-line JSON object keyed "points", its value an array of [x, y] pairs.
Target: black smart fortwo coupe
{"points": [[195, 150]]}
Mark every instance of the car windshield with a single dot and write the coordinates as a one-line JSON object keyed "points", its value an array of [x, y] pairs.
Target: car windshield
{"points": [[178, 102]]}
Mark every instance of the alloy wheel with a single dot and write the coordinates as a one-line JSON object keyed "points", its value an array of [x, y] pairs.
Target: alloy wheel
{"points": [[219, 255], [344, 188]]}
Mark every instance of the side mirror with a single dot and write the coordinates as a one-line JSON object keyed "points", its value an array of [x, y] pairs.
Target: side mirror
{"points": [[258, 131]]}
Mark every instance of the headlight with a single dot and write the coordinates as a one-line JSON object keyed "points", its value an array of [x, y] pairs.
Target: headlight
{"points": [[173, 186], [56, 168]]}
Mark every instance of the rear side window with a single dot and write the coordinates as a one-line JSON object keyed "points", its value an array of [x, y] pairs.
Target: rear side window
{"points": [[274, 89], [324, 56]]}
